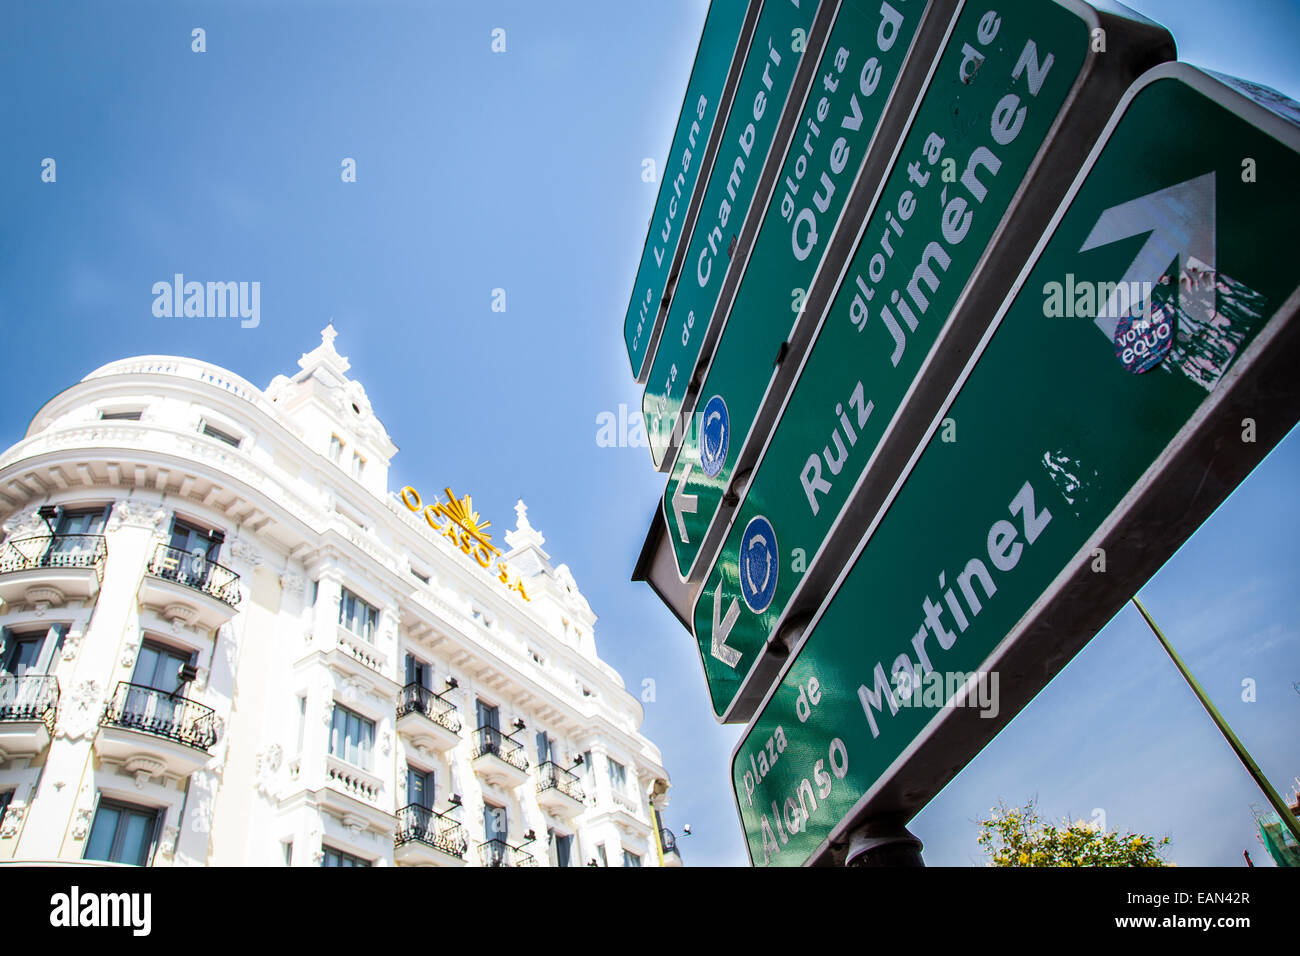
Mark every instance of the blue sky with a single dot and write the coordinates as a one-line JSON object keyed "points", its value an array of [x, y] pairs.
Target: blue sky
{"points": [[522, 171]]}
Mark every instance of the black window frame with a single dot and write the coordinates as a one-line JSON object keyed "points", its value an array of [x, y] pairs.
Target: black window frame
{"points": [[125, 806]]}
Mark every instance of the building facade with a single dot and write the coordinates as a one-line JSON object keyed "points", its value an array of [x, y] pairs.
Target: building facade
{"points": [[227, 642]]}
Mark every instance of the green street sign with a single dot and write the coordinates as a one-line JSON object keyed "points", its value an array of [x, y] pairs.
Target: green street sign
{"points": [[839, 130], [775, 53], [1143, 364], [720, 44], [996, 139]]}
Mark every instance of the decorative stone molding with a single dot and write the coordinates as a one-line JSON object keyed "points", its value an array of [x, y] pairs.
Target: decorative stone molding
{"points": [[42, 598], [129, 652], [144, 769], [137, 514], [14, 814], [352, 690], [181, 614], [81, 823], [71, 645], [291, 583], [167, 845], [242, 550], [24, 523], [268, 767], [80, 715]]}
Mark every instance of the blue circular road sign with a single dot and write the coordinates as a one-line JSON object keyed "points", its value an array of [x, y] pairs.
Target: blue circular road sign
{"points": [[760, 560], [715, 432]]}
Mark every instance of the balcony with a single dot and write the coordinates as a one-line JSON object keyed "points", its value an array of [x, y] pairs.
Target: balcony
{"points": [[429, 721], [501, 853], [499, 758], [668, 841], [52, 568], [28, 706], [151, 733], [558, 791], [426, 837], [189, 588]]}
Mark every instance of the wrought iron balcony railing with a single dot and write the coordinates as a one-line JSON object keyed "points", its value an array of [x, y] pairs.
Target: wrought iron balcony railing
{"points": [[195, 571], [416, 698], [490, 740], [152, 711], [551, 776], [31, 697], [427, 826], [668, 840], [500, 853], [55, 551]]}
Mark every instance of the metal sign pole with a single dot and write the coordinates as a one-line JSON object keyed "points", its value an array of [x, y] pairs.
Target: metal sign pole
{"points": [[1242, 753]]}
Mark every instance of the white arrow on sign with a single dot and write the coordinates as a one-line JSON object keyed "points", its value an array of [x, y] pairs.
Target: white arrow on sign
{"points": [[684, 503], [1181, 222], [722, 628]]}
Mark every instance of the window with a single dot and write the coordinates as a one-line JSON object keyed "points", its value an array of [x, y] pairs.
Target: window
{"points": [[121, 833], [81, 521], [197, 541], [22, 651], [563, 843], [481, 617], [631, 859], [488, 715], [6, 798], [352, 737], [287, 846], [545, 747], [124, 416], [302, 720], [358, 466], [158, 699], [357, 616], [600, 854], [418, 672], [213, 432], [422, 578], [336, 449], [420, 788], [335, 857], [159, 667], [24, 654], [617, 776]]}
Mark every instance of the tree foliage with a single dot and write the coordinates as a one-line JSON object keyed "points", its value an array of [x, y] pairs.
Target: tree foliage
{"points": [[1016, 836]]}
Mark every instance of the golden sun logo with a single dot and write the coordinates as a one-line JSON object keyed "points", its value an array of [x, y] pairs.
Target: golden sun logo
{"points": [[465, 529], [462, 512]]}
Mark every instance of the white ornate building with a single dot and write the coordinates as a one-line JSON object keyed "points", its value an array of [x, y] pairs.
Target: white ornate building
{"points": [[225, 641]]}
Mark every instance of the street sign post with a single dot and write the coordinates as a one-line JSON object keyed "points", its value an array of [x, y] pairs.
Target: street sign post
{"points": [[722, 46], [755, 126], [877, 55], [1094, 432], [1017, 95]]}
